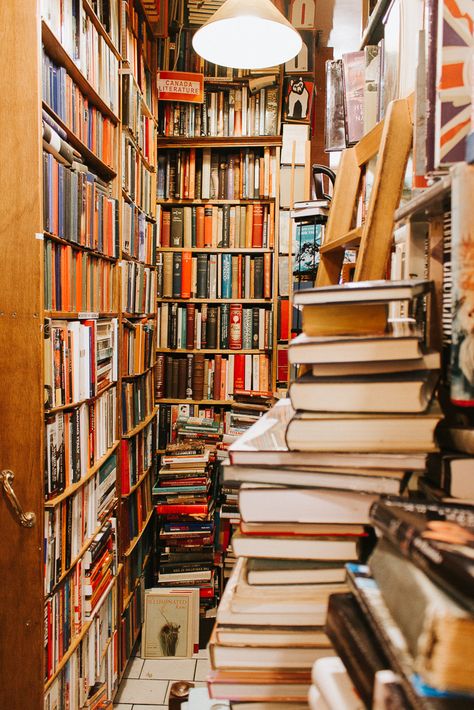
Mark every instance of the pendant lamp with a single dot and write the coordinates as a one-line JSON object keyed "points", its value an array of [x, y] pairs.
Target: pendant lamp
{"points": [[247, 34]]}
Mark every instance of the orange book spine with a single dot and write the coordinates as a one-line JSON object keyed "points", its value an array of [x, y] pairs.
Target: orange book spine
{"points": [[200, 221], [267, 275], [186, 274]]}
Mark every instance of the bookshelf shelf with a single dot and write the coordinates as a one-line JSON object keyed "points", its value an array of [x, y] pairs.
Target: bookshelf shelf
{"points": [[217, 351], [128, 257], [83, 550], [219, 142], [136, 539], [217, 250], [216, 402], [133, 138], [81, 635], [137, 484], [79, 247], [74, 405], [133, 201], [138, 374], [57, 52], [136, 583], [101, 168], [67, 315], [213, 201], [428, 203], [100, 28], [140, 426], [216, 300], [130, 316], [53, 502]]}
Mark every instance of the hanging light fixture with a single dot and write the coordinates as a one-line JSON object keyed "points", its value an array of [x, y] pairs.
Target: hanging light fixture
{"points": [[247, 34]]}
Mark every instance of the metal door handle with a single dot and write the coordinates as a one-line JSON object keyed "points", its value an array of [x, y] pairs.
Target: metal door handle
{"points": [[25, 519]]}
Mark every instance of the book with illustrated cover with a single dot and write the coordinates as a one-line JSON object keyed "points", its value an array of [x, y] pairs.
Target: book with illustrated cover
{"points": [[335, 131]]}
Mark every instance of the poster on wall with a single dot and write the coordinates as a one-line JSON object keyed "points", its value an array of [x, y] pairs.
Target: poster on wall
{"points": [[298, 99], [180, 86]]}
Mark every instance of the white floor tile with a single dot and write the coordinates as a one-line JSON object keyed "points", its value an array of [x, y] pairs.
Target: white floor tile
{"points": [[150, 707], [134, 668], [121, 706], [169, 669], [202, 669], [202, 653], [145, 691]]}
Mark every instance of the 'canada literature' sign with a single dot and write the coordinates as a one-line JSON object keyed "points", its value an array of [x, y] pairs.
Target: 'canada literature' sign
{"points": [[181, 86]]}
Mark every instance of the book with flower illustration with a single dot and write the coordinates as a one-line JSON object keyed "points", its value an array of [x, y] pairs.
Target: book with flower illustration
{"points": [[171, 622]]}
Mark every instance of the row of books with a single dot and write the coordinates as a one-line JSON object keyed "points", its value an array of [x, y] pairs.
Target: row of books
{"points": [[137, 46], [137, 401], [208, 173], [227, 327], [75, 521], [80, 359], [136, 512], [225, 111], [196, 377], [137, 455], [77, 281], [138, 347], [64, 97], [74, 29], [182, 275], [91, 662], [139, 234], [133, 117], [78, 207], [168, 416], [138, 288], [137, 180], [91, 671], [239, 226], [76, 439]]}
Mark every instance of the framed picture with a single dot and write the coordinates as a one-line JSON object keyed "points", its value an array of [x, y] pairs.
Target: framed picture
{"points": [[298, 99], [171, 623], [302, 13], [304, 60]]}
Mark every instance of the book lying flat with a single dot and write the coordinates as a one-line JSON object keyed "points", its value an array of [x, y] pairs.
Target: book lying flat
{"points": [[318, 431], [363, 291], [273, 686], [294, 547], [264, 657], [306, 505], [431, 360], [378, 483], [403, 392], [330, 676], [264, 444], [266, 572], [271, 636], [306, 350]]}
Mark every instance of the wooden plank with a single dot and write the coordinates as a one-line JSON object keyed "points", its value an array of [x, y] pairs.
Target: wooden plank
{"points": [[340, 216], [348, 241], [21, 348], [368, 147], [388, 181]]}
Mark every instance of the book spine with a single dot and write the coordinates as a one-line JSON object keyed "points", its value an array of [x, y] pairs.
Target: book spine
{"points": [[224, 326], [211, 329], [226, 275], [235, 327], [190, 322], [160, 376], [202, 275], [189, 376], [177, 263]]}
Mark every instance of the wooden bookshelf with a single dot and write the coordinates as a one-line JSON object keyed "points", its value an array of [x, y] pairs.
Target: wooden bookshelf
{"points": [[57, 52], [142, 425], [79, 247], [100, 27], [219, 142], [215, 201], [219, 250], [427, 203], [140, 480], [136, 539], [254, 301], [215, 351]]}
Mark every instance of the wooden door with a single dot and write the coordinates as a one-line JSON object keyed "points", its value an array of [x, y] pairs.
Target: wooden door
{"points": [[21, 304]]}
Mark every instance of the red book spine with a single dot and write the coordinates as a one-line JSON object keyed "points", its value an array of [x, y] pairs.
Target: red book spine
{"points": [[217, 376], [235, 329], [257, 226], [239, 372], [124, 465], [163, 509], [165, 228], [186, 274]]}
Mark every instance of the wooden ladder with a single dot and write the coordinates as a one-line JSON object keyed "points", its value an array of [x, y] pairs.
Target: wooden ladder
{"points": [[390, 140]]}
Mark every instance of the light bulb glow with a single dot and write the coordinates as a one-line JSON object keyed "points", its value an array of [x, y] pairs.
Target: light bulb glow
{"points": [[247, 42]]}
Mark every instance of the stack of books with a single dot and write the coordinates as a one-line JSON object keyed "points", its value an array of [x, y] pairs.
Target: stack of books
{"points": [[410, 609], [185, 495]]}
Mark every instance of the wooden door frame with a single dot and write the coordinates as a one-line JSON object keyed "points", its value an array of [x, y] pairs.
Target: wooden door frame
{"points": [[21, 353]]}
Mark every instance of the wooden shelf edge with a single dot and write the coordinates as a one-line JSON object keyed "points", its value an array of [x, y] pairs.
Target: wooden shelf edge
{"points": [[74, 405], [136, 485], [80, 247], [164, 202], [216, 402], [426, 199], [255, 301], [221, 351], [219, 141], [346, 241], [101, 29], [219, 250], [137, 539], [142, 425]]}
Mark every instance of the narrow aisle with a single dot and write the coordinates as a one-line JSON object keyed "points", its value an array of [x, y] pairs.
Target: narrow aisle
{"points": [[146, 683]]}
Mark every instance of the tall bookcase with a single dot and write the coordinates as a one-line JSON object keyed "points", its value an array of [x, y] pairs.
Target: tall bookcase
{"points": [[77, 345]]}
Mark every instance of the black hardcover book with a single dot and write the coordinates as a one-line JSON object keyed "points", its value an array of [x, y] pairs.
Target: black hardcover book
{"points": [[224, 326], [255, 327], [173, 326], [418, 529], [174, 377], [211, 329], [258, 277], [225, 223], [354, 641], [202, 275], [168, 375], [177, 259], [176, 228], [168, 424], [182, 374]]}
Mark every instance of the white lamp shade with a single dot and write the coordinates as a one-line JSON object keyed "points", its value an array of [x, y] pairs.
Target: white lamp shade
{"points": [[247, 34]]}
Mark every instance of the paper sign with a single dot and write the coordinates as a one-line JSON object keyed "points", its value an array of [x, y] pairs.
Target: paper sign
{"points": [[180, 86]]}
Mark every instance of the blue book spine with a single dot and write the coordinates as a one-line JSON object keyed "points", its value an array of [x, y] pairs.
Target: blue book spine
{"points": [[226, 275]]}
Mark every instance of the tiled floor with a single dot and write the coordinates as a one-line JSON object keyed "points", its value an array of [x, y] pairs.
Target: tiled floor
{"points": [[146, 684]]}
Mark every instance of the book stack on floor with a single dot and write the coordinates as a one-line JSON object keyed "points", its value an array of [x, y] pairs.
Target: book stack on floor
{"points": [[185, 493], [411, 608]]}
